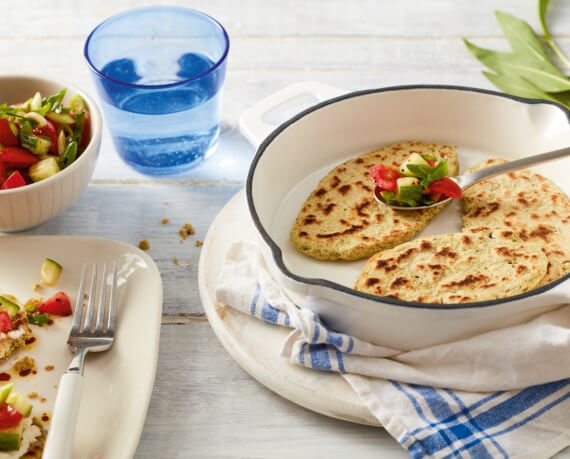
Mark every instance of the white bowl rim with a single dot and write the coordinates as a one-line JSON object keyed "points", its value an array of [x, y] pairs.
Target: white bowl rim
{"points": [[95, 126], [277, 254]]}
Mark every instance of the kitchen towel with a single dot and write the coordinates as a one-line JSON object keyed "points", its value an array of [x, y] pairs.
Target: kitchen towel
{"points": [[503, 393]]}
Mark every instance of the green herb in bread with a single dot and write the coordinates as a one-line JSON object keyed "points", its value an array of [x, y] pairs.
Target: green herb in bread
{"points": [[340, 220], [454, 268], [527, 204]]}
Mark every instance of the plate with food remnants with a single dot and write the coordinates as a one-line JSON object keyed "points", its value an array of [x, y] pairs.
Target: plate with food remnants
{"points": [[38, 288], [498, 254]]}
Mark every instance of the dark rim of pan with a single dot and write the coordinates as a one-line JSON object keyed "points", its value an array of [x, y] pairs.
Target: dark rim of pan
{"points": [[276, 251]]}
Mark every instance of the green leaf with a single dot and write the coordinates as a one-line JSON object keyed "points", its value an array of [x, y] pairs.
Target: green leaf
{"points": [[411, 193], [521, 37], [542, 7], [517, 86], [542, 74]]}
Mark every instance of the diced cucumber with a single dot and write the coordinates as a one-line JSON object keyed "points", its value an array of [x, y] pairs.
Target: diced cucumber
{"points": [[50, 272], [5, 391], [77, 104], [19, 402], [61, 118], [37, 118], [415, 159], [36, 102], [44, 169], [10, 307], [407, 181], [10, 438], [37, 144]]}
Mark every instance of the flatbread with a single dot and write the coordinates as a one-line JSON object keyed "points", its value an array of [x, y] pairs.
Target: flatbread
{"points": [[36, 449], [527, 204], [454, 268], [341, 220]]}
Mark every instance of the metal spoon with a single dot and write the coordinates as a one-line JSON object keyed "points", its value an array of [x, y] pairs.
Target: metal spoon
{"points": [[467, 180]]}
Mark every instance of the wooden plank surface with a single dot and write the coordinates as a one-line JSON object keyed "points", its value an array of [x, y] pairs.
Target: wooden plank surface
{"points": [[204, 405]]}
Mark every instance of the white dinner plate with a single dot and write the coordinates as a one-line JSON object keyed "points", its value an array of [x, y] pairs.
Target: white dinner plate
{"points": [[117, 383]]}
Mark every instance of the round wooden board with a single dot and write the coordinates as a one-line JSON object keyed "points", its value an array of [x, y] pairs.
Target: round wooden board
{"points": [[255, 345]]}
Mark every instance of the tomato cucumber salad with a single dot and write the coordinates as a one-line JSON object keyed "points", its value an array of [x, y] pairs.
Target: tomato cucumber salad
{"points": [[421, 180], [40, 137]]}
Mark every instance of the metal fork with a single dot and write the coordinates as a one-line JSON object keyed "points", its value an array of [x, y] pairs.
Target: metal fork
{"points": [[93, 331]]}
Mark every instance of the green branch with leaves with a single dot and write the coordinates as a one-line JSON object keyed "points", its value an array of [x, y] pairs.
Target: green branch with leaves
{"points": [[528, 70]]}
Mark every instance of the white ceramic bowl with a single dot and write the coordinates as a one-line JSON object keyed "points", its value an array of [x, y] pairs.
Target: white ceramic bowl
{"points": [[294, 157], [25, 207]]}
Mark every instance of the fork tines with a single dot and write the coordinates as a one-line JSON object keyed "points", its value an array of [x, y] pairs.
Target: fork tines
{"points": [[104, 318]]}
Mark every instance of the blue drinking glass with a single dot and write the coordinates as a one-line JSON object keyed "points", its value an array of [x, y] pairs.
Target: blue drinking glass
{"points": [[159, 73]]}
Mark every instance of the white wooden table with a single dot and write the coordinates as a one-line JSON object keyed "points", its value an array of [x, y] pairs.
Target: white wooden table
{"points": [[204, 404]]}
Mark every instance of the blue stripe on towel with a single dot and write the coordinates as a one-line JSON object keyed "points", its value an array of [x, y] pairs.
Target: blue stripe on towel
{"points": [[269, 313], [255, 298], [340, 361], [335, 339], [320, 356]]}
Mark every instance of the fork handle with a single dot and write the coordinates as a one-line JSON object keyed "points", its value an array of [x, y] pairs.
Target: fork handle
{"points": [[64, 419]]}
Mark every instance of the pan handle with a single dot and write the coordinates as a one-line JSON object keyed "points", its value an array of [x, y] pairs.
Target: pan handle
{"points": [[252, 123]]}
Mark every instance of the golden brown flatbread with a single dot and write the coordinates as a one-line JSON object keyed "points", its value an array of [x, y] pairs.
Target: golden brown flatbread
{"points": [[527, 204], [455, 268], [341, 220]]}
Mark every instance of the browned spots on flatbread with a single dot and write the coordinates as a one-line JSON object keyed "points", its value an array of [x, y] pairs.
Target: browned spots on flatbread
{"points": [[350, 230], [309, 219], [467, 281], [393, 295], [334, 182], [542, 231], [399, 282], [344, 189], [408, 253], [521, 269], [371, 281], [364, 237], [320, 192], [485, 211], [511, 214], [426, 245], [446, 252], [303, 233], [507, 233], [326, 209], [506, 252], [523, 201], [360, 207], [466, 240], [359, 161], [421, 299], [379, 217], [459, 298], [363, 186], [385, 265], [341, 169]]}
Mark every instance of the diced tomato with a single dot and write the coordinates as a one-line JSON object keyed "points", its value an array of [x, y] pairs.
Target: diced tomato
{"points": [[3, 173], [385, 176], [17, 157], [58, 305], [430, 162], [9, 416], [14, 180], [50, 131], [445, 186], [7, 137], [5, 321]]}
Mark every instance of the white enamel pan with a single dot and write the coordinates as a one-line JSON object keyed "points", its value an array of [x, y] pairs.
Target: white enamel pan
{"points": [[294, 156]]}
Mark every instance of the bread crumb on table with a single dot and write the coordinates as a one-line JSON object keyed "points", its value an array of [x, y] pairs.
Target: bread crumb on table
{"points": [[36, 287], [32, 395], [144, 245], [186, 230], [49, 367], [198, 243], [165, 221], [175, 260]]}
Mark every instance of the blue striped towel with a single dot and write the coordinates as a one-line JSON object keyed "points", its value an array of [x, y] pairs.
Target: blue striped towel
{"points": [[501, 394]]}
